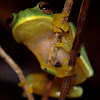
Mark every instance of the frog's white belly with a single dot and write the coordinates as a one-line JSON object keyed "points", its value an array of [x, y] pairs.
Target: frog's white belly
{"points": [[42, 49]]}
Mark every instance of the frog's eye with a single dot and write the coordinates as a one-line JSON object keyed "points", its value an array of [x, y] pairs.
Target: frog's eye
{"points": [[9, 21], [45, 8]]}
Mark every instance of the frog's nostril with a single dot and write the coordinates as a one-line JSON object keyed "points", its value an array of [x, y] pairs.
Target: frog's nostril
{"points": [[9, 21]]}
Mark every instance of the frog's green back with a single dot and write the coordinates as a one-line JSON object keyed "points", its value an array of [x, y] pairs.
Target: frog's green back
{"points": [[83, 60]]}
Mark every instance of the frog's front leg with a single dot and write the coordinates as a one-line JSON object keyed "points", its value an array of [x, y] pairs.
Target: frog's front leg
{"points": [[69, 68], [66, 38], [63, 44], [58, 26], [36, 83]]}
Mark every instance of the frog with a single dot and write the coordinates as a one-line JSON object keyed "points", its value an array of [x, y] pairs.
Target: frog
{"points": [[34, 27]]}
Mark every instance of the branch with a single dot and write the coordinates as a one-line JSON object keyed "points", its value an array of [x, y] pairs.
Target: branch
{"points": [[67, 8], [51, 57], [18, 71], [47, 87], [77, 42], [53, 50]]}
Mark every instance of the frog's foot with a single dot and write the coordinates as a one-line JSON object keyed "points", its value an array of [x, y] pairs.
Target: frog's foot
{"points": [[63, 44], [75, 92], [58, 26], [30, 91], [24, 95], [21, 84], [67, 67]]}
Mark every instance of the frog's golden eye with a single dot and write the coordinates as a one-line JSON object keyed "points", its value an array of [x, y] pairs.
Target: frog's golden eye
{"points": [[45, 8], [9, 21]]}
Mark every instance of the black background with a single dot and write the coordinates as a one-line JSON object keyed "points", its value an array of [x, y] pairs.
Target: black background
{"points": [[28, 62]]}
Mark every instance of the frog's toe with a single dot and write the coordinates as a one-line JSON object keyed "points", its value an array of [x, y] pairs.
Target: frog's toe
{"points": [[24, 95], [75, 92], [56, 29], [63, 45], [68, 67], [59, 45], [57, 22]]}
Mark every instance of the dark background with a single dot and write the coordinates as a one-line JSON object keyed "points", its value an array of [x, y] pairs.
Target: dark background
{"points": [[90, 36]]}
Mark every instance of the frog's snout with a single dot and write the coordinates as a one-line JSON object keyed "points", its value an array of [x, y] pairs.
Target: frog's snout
{"points": [[9, 21]]}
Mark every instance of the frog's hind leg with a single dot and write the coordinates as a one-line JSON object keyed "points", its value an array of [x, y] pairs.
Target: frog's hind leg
{"points": [[36, 83]]}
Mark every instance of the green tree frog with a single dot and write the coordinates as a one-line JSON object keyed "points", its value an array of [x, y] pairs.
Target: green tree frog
{"points": [[34, 28]]}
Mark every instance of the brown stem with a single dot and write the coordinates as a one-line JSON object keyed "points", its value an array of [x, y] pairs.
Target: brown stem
{"points": [[80, 23], [51, 57], [67, 8], [76, 45], [53, 50], [18, 71], [65, 88], [48, 85]]}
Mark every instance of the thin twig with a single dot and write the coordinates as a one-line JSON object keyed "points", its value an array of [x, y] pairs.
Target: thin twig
{"points": [[81, 19], [53, 50], [67, 8], [66, 81], [51, 57], [48, 85], [18, 71]]}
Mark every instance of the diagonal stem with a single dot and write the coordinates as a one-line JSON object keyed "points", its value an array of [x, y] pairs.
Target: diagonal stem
{"points": [[53, 50], [18, 71], [76, 45]]}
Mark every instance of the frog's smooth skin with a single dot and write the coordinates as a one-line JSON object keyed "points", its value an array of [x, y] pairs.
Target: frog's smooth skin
{"points": [[33, 27]]}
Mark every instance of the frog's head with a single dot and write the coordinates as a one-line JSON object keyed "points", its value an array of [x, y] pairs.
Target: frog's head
{"points": [[31, 22], [33, 28]]}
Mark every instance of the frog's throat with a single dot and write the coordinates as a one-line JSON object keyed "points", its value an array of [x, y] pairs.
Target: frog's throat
{"points": [[30, 27], [29, 19]]}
